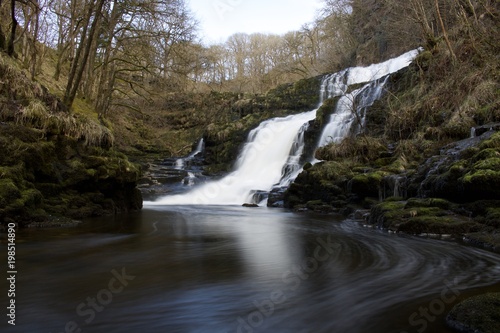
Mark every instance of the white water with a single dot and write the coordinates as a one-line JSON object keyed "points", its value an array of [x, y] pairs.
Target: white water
{"points": [[271, 156], [258, 167], [351, 107], [181, 162]]}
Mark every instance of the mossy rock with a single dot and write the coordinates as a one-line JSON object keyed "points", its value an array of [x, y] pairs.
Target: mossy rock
{"points": [[8, 191], [438, 225], [476, 314], [483, 182], [368, 184], [421, 216], [324, 112], [485, 240], [486, 154], [431, 202], [492, 142]]}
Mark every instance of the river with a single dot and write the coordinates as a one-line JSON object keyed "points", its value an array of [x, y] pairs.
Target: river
{"points": [[234, 269]]}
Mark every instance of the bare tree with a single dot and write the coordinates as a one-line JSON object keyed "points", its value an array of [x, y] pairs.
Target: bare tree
{"points": [[2, 35], [14, 24], [80, 61]]}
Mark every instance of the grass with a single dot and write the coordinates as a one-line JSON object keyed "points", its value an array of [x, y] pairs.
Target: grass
{"points": [[33, 106], [360, 149]]}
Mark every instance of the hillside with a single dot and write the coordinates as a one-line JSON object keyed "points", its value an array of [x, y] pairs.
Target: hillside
{"points": [[415, 153], [56, 166]]}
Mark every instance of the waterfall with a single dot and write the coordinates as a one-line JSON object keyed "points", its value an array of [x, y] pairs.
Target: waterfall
{"points": [[258, 168], [181, 162], [472, 132], [272, 154], [351, 107]]}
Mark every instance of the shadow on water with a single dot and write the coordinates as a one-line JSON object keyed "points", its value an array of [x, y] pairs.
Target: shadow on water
{"points": [[233, 269]]}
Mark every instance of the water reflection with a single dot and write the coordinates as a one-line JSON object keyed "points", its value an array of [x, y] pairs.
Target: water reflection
{"points": [[233, 269]]}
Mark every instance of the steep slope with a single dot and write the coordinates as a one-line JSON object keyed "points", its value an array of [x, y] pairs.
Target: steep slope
{"points": [[56, 165]]}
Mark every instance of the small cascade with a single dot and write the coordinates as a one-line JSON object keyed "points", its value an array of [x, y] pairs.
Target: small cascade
{"points": [[273, 155], [350, 110], [334, 85], [294, 164], [472, 132], [394, 186], [180, 163], [189, 180]]}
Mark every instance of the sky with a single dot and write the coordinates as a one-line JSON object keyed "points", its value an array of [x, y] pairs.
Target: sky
{"points": [[220, 19]]}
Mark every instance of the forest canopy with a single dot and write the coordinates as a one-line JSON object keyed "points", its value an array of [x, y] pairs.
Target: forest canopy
{"points": [[111, 51]]}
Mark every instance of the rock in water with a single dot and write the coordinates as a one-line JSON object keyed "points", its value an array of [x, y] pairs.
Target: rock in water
{"points": [[249, 205]]}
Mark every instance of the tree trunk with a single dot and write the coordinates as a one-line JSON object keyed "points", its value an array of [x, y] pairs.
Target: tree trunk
{"points": [[2, 35], [10, 46], [78, 67], [34, 50]]}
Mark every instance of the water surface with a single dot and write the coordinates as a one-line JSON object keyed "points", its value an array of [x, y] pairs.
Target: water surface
{"points": [[234, 269]]}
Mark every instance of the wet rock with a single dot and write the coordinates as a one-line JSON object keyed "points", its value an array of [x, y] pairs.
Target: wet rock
{"points": [[465, 171], [361, 214], [480, 130], [476, 314], [259, 196], [249, 205], [276, 197], [430, 217]]}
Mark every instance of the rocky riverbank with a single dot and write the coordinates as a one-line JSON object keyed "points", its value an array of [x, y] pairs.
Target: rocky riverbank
{"points": [[57, 166], [478, 314]]}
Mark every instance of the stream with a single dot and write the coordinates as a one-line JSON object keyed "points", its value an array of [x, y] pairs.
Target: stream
{"points": [[235, 269], [194, 260]]}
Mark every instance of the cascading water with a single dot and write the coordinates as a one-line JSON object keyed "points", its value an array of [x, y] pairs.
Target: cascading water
{"points": [[272, 155], [351, 107], [181, 162], [258, 167]]}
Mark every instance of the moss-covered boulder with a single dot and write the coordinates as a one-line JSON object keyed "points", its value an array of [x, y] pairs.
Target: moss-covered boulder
{"points": [[367, 184], [465, 171], [479, 314], [422, 216], [42, 177]]}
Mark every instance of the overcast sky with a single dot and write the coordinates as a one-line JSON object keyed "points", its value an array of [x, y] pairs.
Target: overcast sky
{"points": [[221, 18]]}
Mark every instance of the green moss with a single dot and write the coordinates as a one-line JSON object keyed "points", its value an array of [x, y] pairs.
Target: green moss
{"points": [[424, 59], [479, 314], [490, 163], [438, 225], [458, 169], [331, 170], [432, 202], [492, 217], [492, 142], [8, 192], [368, 184], [483, 178], [486, 154], [326, 109], [391, 205]]}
